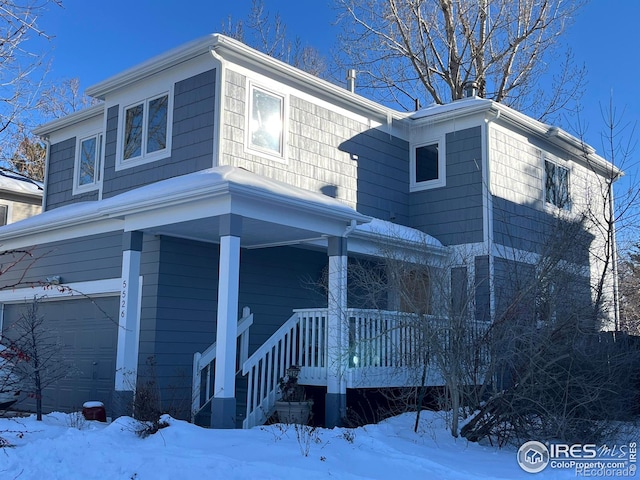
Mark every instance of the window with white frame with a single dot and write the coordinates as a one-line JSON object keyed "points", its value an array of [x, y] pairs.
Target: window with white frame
{"points": [[87, 171], [145, 129], [266, 122], [428, 166], [556, 185], [4, 214]]}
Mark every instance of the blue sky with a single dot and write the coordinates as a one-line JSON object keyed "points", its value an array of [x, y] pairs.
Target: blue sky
{"points": [[94, 40]]}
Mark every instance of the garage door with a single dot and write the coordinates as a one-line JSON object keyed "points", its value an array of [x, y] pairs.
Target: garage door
{"points": [[88, 341]]}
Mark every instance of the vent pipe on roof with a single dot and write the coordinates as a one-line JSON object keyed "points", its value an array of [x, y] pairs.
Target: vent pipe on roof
{"points": [[351, 80], [470, 89]]}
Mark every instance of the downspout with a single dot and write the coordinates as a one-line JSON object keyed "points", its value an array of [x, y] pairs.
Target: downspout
{"points": [[45, 183], [488, 222], [219, 107]]}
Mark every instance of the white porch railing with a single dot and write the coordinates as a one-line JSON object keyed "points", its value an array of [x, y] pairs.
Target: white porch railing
{"points": [[300, 341], [204, 365], [384, 350]]}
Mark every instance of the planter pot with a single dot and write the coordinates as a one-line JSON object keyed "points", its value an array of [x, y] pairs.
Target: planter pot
{"points": [[294, 412]]}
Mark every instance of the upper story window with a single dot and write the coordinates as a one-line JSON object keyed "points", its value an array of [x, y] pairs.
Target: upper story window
{"points": [[266, 122], [87, 170], [556, 185], [145, 130], [428, 167]]}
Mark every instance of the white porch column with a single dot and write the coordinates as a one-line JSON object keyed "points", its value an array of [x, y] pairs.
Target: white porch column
{"points": [[338, 333], [223, 404], [128, 325]]}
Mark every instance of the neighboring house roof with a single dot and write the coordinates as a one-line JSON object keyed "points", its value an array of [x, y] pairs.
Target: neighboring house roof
{"points": [[19, 185]]}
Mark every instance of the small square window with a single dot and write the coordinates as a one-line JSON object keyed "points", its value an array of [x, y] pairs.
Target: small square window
{"points": [[428, 166], [556, 185], [266, 123], [427, 163]]}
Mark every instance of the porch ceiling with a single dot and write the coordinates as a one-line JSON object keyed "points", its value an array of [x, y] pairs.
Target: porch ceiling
{"points": [[255, 233]]}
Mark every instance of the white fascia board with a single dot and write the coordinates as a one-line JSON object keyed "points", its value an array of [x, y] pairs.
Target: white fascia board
{"points": [[48, 233], [464, 108], [152, 66], [77, 290], [72, 119], [240, 54], [579, 150], [266, 200]]}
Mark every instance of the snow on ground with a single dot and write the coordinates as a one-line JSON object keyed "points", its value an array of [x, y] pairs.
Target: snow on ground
{"points": [[67, 447]]}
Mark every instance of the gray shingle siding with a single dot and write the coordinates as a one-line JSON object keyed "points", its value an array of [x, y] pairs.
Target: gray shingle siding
{"points": [[454, 213], [192, 139]]}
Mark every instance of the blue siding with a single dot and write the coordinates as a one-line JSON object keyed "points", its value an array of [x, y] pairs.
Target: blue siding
{"points": [[192, 139], [453, 213], [528, 228], [82, 259], [60, 176], [180, 302]]}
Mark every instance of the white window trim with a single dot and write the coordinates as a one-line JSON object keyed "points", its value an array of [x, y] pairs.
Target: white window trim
{"points": [[552, 206], [441, 181], [249, 148], [144, 158], [90, 187]]}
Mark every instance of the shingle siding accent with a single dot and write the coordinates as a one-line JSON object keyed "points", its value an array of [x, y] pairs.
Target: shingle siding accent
{"points": [[454, 213], [326, 151]]}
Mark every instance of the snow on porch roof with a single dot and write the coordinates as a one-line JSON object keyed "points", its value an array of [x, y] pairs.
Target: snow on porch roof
{"points": [[94, 217]]}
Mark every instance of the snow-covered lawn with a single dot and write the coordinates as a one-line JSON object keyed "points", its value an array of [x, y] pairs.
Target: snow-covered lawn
{"points": [[64, 447]]}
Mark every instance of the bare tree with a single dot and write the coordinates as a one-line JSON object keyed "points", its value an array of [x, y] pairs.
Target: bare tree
{"points": [[408, 50], [20, 67], [41, 362], [269, 35], [26, 153], [629, 277]]}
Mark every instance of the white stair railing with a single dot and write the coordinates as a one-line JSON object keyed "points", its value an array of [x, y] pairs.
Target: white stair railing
{"points": [[300, 341], [203, 364]]}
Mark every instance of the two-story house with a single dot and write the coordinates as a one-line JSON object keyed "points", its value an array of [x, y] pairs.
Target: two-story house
{"points": [[214, 177]]}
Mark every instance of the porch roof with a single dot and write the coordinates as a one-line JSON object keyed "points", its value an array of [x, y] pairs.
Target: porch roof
{"points": [[190, 206]]}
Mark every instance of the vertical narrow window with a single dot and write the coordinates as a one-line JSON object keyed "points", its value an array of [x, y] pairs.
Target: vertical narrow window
{"points": [[266, 122], [157, 124], [556, 185], [88, 163], [4, 214], [146, 127], [133, 132]]}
